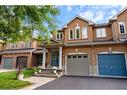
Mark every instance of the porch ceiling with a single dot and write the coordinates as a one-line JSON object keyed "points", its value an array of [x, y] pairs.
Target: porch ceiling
{"points": [[53, 44]]}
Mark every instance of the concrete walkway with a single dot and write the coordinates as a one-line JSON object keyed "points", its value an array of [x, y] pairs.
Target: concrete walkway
{"points": [[37, 81], [6, 70]]}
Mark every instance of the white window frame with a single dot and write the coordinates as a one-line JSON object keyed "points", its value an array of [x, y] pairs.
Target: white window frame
{"points": [[73, 34], [122, 22], [101, 35], [86, 33], [58, 34], [76, 32]]}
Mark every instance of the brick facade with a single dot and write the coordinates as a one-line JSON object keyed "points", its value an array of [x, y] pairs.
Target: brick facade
{"points": [[91, 45]]}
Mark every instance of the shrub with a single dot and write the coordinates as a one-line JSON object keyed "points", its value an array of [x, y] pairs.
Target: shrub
{"points": [[28, 72]]}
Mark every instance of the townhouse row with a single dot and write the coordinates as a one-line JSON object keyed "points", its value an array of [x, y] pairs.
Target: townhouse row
{"points": [[80, 48]]}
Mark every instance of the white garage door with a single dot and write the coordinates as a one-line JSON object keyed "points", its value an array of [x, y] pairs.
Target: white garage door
{"points": [[78, 65]]}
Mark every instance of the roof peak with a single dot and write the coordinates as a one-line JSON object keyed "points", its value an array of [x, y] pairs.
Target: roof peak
{"points": [[115, 16], [80, 17]]}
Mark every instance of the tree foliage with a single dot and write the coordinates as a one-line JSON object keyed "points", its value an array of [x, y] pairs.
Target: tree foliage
{"points": [[22, 22]]}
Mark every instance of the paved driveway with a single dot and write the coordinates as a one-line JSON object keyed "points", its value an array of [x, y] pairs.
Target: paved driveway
{"points": [[70, 82]]}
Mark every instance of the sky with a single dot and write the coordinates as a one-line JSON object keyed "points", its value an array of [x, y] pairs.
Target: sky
{"points": [[95, 13]]}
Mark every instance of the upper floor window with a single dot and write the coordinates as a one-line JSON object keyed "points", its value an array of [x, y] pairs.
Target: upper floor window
{"points": [[122, 28], [27, 44], [23, 45], [77, 32], [59, 36], [13, 45], [84, 32], [71, 34], [100, 32]]}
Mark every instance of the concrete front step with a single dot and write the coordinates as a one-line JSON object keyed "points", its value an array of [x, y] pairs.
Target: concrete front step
{"points": [[51, 75], [47, 71]]}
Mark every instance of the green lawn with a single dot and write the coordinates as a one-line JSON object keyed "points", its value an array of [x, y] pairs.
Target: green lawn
{"points": [[8, 81]]}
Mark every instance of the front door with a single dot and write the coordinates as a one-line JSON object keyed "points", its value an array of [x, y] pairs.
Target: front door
{"points": [[54, 58], [39, 59]]}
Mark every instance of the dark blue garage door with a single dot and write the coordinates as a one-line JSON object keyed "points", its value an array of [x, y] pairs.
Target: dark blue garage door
{"points": [[112, 64]]}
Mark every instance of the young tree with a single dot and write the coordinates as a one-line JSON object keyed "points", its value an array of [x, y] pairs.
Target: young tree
{"points": [[21, 22]]}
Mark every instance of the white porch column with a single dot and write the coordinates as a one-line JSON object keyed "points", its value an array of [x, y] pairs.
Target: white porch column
{"points": [[44, 58], [60, 57]]}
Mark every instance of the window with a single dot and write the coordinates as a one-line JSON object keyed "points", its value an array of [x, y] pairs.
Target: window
{"points": [[13, 45], [59, 36], [71, 34], [27, 44], [30, 44], [16, 45], [79, 56], [100, 32], [84, 32], [77, 32], [22, 45], [84, 56], [74, 56], [69, 56], [122, 27]]}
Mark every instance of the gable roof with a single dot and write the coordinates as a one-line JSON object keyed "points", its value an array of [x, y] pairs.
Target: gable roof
{"points": [[115, 16], [52, 42], [90, 22]]}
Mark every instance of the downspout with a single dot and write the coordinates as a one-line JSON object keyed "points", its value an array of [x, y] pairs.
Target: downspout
{"points": [[92, 56], [113, 31]]}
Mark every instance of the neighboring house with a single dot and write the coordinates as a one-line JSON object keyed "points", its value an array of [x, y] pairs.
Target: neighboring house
{"points": [[80, 48], [25, 53], [2, 47]]}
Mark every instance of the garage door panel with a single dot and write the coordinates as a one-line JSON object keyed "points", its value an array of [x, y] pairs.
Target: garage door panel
{"points": [[21, 62], [8, 63], [77, 65], [112, 64]]}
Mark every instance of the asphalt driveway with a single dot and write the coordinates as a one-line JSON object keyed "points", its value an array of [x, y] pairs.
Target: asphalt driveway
{"points": [[85, 83]]}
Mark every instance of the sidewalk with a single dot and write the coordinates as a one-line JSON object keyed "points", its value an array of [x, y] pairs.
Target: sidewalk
{"points": [[37, 81], [6, 70]]}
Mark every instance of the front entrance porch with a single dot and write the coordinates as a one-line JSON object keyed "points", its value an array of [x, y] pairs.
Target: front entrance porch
{"points": [[48, 58], [53, 58]]}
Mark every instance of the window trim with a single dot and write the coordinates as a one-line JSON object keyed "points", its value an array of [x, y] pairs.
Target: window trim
{"points": [[86, 31], [123, 22], [73, 34], [59, 33], [101, 33]]}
